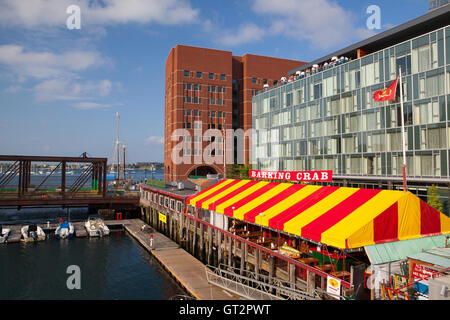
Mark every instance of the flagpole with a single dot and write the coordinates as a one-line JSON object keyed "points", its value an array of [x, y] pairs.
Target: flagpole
{"points": [[403, 131]]}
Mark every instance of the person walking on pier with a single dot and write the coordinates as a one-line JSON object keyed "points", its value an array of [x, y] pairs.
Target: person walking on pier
{"points": [[151, 241]]}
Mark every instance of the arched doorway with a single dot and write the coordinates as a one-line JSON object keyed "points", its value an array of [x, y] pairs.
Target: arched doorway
{"points": [[202, 171]]}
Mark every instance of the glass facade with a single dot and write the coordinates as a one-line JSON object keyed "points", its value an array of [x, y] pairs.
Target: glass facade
{"points": [[329, 121]]}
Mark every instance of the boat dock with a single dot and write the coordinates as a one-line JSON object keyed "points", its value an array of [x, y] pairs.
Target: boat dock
{"points": [[185, 268]]}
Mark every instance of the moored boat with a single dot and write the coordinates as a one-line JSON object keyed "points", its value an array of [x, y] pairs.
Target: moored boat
{"points": [[96, 227], [4, 234], [32, 233], [64, 230]]}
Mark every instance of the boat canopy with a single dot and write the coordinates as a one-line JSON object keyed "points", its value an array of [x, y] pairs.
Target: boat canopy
{"points": [[64, 225], [346, 218]]}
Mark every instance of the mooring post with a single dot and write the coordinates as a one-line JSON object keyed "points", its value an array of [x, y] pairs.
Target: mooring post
{"points": [[210, 245], [292, 278], [202, 244], [219, 249], [244, 253], [194, 238], [310, 281], [257, 263], [230, 251]]}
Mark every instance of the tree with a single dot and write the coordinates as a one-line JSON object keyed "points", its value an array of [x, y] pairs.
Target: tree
{"points": [[433, 198]]}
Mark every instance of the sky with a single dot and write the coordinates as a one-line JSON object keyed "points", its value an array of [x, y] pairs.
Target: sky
{"points": [[60, 88]]}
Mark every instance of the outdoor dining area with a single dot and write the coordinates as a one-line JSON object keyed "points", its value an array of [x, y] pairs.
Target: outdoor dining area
{"points": [[332, 263]]}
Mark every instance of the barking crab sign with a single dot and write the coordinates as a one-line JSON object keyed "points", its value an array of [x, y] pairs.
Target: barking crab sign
{"points": [[322, 176]]}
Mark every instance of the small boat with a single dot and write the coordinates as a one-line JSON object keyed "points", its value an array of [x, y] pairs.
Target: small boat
{"points": [[32, 233], [64, 230], [4, 233], [95, 226]]}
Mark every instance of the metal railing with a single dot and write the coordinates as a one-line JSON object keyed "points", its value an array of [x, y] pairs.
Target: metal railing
{"points": [[254, 286]]}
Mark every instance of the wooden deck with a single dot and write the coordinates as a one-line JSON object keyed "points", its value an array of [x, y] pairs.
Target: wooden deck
{"points": [[188, 271]]}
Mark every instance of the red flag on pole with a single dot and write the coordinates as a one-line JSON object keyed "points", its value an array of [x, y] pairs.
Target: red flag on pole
{"points": [[386, 94]]}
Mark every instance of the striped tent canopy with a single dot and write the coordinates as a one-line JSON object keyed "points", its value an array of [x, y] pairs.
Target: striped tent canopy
{"points": [[345, 218]]}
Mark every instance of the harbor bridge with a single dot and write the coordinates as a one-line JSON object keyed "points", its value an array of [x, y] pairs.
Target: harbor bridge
{"points": [[22, 186]]}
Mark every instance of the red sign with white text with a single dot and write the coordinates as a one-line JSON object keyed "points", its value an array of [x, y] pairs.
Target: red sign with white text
{"points": [[293, 175]]}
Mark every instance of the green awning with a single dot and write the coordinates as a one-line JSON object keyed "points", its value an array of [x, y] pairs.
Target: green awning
{"points": [[400, 250]]}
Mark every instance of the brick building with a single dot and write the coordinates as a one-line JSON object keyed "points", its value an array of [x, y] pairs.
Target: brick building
{"points": [[215, 88]]}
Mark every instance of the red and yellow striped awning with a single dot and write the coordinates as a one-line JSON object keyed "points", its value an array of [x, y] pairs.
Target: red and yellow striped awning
{"points": [[341, 217]]}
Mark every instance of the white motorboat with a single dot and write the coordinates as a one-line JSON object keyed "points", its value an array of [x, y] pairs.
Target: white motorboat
{"points": [[32, 233], [96, 227], [64, 230], [4, 234]]}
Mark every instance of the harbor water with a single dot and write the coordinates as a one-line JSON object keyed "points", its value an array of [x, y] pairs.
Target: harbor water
{"points": [[112, 267]]}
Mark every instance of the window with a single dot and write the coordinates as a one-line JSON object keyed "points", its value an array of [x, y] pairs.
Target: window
{"points": [[178, 206], [427, 112], [264, 81], [172, 204], [161, 200], [289, 99], [222, 77], [432, 139], [405, 63], [317, 91], [186, 73], [199, 74], [254, 80], [211, 76], [166, 202]]}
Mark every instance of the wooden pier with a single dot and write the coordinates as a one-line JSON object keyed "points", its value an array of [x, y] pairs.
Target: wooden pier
{"points": [[185, 268]]}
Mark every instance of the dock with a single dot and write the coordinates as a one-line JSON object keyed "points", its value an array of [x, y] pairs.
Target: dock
{"points": [[185, 268]]}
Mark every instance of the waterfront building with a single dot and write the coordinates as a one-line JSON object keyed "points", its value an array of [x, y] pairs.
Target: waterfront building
{"points": [[211, 89], [327, 119], [434, 4]]}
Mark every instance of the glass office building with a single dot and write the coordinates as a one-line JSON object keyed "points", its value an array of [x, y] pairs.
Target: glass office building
{"points": [[327, 119]]}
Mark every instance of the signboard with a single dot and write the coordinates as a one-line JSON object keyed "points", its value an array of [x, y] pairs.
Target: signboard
{"points": [[333, 286], [162, 217], [421, 272], [293, 175]]}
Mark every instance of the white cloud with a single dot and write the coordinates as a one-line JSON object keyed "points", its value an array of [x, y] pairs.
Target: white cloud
{"points": [[247, 33], [65, 89], [44, 65], [323, 23], [154, 140], [87, 105], [41, 13]]}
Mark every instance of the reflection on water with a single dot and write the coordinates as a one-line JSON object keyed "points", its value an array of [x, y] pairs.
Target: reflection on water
{"points": [[113, 267]]}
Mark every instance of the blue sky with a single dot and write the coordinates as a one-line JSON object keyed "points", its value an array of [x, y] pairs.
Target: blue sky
{"points": [[60, 88]]}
